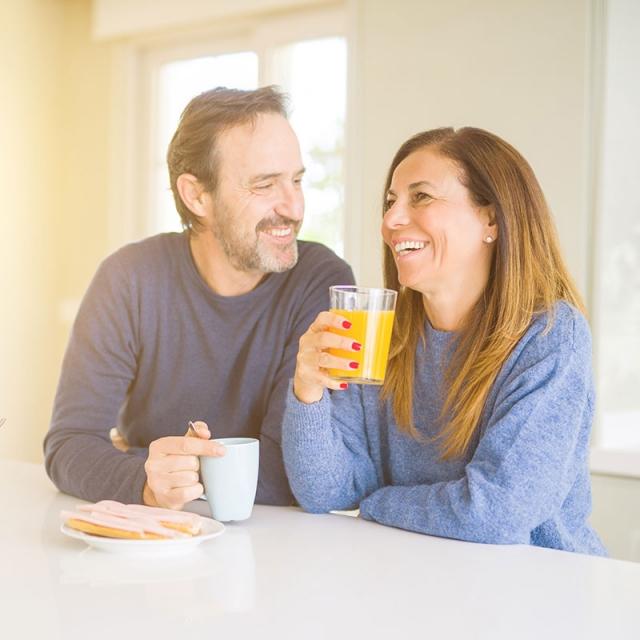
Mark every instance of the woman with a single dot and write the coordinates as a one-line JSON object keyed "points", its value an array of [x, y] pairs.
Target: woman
{"points": [[480, 431]]}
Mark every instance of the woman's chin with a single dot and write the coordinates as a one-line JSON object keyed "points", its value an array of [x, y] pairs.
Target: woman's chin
{"points": [[407, 282], [414, 284]]}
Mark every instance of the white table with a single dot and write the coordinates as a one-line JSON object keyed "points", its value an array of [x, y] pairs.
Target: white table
{"points": [[288, 574]]}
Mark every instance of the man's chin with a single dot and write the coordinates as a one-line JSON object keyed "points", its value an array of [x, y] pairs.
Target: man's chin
{"points": [[280, 260]]}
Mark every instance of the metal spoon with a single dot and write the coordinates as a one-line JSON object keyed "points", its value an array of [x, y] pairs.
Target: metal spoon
{"points": [[192, 426]]}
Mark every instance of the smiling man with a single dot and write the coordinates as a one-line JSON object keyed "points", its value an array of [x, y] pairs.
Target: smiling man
{"points": [[198, 326]]}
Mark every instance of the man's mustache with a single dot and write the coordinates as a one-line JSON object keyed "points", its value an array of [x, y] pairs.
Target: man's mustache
{"points": [[278, 221]]}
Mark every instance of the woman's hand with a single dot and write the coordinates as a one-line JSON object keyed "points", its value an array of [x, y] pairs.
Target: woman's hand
{"points": [[313, 360]]}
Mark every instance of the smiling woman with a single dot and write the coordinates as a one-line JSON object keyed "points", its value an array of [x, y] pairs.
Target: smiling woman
{"points": [[483, 190], [481, 428]]}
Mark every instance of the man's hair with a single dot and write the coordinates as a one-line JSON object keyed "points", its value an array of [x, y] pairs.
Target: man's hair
{"points": [[193, 148]]}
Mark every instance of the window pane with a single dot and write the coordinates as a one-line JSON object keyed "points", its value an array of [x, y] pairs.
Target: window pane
{"points": [[178, 82], [619, 229], [313, 73]]}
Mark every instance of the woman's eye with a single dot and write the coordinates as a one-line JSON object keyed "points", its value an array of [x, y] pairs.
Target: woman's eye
{"points": [[388, 204], [420, 196]]}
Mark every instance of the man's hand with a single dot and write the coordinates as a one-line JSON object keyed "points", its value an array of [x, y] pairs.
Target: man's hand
{"points": [[118, 440], [172, 467]]}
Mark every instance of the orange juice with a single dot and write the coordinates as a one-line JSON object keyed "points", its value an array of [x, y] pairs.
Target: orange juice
{"points": [[372, 329]]}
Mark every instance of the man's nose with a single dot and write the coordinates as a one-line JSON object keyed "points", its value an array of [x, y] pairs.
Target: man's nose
{"points": [[291, 204]]}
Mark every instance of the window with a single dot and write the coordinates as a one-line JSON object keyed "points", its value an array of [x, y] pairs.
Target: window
{"points": [[177, 83], [310, 67], [617, 265], [313, 73]]}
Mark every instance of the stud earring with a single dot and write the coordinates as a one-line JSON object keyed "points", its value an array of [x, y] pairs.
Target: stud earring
{"points": [[488, 239]]}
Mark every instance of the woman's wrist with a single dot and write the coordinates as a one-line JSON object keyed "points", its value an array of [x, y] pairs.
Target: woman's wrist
{"points": [[307, 394]]}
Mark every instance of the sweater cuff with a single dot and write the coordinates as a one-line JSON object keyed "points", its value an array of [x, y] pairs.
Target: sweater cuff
{"points": [[305, 421]]}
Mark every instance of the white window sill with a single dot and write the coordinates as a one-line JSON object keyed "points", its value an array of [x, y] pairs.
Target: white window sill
{"points": [[615, 462]]}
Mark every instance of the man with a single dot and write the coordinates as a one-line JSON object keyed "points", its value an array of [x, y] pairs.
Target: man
{"points": [[200, 326]]}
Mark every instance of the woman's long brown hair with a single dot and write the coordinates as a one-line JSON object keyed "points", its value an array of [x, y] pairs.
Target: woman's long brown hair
{"points": [[527, 276]]}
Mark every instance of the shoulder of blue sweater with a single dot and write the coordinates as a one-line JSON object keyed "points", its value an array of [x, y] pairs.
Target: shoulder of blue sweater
{"points": [[561, 329]]}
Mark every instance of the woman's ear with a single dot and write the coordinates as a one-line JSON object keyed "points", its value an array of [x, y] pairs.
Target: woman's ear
{"points": [[490, 231], [192, 193]]}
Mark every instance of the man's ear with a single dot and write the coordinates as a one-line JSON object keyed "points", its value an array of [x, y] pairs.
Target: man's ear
{"points": [[192, 194]]}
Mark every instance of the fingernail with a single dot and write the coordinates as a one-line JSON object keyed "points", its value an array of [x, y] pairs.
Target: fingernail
{"points": [[356, 346], [344, 385], [354, 365], [346, 324]]}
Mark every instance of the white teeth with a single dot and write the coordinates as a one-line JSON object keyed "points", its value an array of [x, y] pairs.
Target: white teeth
{"points": [[405, 246], [280, 233]]}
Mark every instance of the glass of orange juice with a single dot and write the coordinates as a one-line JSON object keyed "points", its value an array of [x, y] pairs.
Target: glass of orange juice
{"points": [[371, 312]]}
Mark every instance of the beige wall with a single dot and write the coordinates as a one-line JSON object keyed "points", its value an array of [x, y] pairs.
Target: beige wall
{"points": [[115, 18], [515, 67], [30, 170], [52, 227], [86, 104]]}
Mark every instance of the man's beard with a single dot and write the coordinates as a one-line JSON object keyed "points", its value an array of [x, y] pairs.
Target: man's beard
{"points": [[247, 255]]}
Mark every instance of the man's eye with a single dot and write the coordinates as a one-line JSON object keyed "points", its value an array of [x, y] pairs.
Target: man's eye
{"points": [[297, 181], [264, 186]]}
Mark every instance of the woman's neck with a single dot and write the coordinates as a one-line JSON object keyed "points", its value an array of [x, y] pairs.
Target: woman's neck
{"points": [[448, 307]]}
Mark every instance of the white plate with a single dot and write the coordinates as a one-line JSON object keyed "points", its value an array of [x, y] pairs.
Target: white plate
{"points": [[210, 529]]}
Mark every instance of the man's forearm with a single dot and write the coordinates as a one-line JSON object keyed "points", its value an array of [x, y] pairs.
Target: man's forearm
{"points": [[90, 468]]}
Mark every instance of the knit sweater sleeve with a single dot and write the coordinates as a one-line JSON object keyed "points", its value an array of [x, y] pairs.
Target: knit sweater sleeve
{"points": [[99, 365], [522, 467], [326, 452]]}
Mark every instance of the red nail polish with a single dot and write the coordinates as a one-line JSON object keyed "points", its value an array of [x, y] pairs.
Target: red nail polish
{"points": [[354, 365], [346, 324], [356, 346], [344, 385]]}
